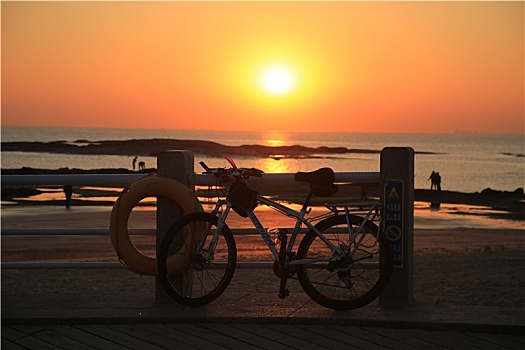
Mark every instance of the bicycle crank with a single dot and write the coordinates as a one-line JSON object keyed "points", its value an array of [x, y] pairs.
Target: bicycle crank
{"points": [[283, 292], [283, 274]]}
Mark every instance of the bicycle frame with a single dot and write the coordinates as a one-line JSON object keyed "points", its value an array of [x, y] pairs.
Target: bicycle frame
{"points": [[372, 214], [284, 210], [222, 215]]}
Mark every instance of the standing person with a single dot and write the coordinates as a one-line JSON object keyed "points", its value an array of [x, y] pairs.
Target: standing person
{"points": [[438, 181], [432, 179], [68, 190], [134, 162]]}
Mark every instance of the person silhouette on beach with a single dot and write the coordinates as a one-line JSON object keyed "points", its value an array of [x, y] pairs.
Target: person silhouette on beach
{"points": [[68, 190], [432, 179], [134, 162], [438, 181], [142, 165]]}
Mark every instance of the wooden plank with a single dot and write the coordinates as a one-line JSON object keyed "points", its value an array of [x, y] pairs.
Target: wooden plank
{"points": [[478, 343], [159, 335], [9, 345], [242, 333], [315, 339], [11, 334], [282, 341], [25, 329], [86, 337], [299, 337], [384, 340], [278, 343], [348, 335], [60, 340], [245, 336], [219, 340], [118, 337], [29, 341], [502, 340], [195, 341], [403, 336], [444, 339], [520, 339]]}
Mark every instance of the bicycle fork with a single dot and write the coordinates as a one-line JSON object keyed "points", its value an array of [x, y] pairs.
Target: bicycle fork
{"points": [[221, 218]]}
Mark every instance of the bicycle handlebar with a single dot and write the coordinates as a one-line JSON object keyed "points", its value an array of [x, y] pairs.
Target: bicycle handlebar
{"points": [[208, 170], [252, 172], [233, 171]]}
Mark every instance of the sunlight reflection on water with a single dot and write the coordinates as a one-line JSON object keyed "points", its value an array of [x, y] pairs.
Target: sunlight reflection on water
{"points": [[459, 215]]}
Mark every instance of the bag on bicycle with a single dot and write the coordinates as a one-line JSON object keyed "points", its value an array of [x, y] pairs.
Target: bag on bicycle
{"points": [[242, 198]]}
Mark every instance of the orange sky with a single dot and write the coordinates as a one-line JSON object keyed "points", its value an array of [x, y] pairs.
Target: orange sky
{"points": [[358, 66]]}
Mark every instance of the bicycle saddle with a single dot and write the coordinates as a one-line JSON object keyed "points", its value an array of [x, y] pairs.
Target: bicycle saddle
{"points": [[321, 181]]}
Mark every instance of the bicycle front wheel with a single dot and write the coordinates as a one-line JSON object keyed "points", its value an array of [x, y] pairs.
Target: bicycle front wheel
{"points": [[202, 274], [352, 275]]}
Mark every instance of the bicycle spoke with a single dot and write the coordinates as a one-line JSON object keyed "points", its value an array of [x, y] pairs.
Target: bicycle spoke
{"points": [[352, 276], [200, 281]]}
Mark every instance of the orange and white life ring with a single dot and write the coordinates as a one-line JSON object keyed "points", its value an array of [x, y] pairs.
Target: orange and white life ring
{"points": [[118, 226]]}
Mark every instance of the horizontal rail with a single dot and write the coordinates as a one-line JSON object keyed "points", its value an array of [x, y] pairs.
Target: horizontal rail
{"points": [[277, 178], [103, 180], [257, 265], [246, 265], [124, 180], [70, 231], [102, 231], [60, 265]]}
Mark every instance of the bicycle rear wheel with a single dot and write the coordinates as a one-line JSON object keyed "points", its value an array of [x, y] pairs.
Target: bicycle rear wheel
{"points": [[196, 281], [353, 277]]}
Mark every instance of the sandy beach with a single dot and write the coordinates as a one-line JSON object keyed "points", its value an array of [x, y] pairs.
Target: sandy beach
{"points": [[461, 265]]}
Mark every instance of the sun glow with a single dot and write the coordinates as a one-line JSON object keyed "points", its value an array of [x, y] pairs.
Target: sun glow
{"points": [[277, 79], [274, 138], [269, 165]]}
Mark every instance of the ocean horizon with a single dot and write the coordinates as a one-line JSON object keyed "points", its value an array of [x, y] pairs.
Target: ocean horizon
{"points": [[466, 162]]}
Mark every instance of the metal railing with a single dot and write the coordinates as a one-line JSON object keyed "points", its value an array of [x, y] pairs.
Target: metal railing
{"points": [[125, 180]]}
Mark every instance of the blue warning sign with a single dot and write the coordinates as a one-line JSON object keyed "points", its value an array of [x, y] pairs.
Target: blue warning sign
{"points": [[393, 218]]}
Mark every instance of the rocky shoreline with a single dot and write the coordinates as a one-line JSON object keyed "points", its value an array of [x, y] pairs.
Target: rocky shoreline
{"points": [[152, 147]]}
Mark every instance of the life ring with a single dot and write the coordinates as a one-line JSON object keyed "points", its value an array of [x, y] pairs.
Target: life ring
{"points": [[118, 226]]}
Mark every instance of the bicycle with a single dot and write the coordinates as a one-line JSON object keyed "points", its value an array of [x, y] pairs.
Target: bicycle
{"points": [[343, 262]]}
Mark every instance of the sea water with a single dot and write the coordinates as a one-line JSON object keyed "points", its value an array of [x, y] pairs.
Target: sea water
{"points": [[466, 162]]}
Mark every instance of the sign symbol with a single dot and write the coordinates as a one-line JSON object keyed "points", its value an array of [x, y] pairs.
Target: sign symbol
{"points": [[393, 233], [394, 217], [393, 193]]}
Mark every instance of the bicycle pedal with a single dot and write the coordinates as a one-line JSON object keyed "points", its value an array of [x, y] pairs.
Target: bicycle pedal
{"points": [[284, 294]]}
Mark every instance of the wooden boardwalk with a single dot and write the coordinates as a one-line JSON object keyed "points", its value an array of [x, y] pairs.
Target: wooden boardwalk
{"points": [[245, 336]]}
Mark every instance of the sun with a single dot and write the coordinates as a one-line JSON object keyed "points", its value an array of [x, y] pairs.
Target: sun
{"points": [[277, 79]]}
